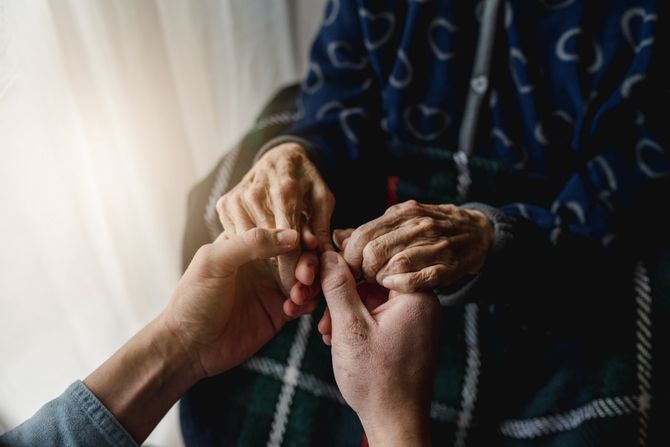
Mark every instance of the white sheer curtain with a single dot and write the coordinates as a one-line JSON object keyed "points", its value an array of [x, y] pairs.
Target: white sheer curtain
{"points": [[109, 112]]}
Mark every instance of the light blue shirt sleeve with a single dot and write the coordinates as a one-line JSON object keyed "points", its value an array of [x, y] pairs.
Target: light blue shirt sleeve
{"points": [[75, 418]]}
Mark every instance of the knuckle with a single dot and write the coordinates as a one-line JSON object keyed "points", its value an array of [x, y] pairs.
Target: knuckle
{"points": [[402, 263], [415, 281], [255, 236], [411, 205], [255, 194], [203, 256], [429, 277], [329, 200], [335, 281], [428, 225], [355, 238], [372, 255], [408, 208], [294, 153], [398, 207], [355, 245], [288, 188], [221, 204]]}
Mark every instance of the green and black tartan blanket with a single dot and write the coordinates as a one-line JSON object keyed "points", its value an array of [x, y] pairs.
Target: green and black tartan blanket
{"points": [[587, 370]]}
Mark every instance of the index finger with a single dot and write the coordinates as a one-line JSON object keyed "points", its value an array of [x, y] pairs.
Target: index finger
{"points": [[323, 204], [287, 204]]}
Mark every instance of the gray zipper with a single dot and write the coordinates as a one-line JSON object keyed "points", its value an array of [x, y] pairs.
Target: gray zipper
{"points": [[479, 90]]}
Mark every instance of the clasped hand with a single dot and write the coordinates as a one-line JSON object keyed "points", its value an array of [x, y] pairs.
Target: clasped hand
{"points": [[228, 304], [412, 247]]}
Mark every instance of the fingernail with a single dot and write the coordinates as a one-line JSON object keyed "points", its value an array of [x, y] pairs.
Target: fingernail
{"points": [[389, 282], [287, 237], [335, 241], [330, 258]]}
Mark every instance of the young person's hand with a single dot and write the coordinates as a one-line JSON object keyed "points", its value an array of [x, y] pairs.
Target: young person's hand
{"points": [[225, 307], [228, 303], [383, 348]]}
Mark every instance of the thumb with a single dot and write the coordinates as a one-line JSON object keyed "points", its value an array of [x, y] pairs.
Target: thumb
{"points": [[339, 288], [254, 244]]}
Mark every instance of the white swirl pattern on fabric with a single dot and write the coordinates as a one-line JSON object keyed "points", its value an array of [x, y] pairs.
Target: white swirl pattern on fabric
{"points": [[424, 113], [332, 11], [435, 26], [388, 22], [313, 80], [405, 65], [328, 107], [342, 56], [345, 115], [563, 53], [643, 146], [516, 54], [626, 28], [629, 83]]}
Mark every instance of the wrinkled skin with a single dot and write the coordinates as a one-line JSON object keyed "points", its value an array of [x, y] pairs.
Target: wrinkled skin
{"points": [[285, 190], [415, 247]]}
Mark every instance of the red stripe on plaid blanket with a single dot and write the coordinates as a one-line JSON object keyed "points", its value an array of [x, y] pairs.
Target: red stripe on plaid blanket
{"points": [[392, 190]]}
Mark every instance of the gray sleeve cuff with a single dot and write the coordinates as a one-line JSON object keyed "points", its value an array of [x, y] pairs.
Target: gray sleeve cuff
{"points": [[76, 417], [478, 287], [313, 153]]}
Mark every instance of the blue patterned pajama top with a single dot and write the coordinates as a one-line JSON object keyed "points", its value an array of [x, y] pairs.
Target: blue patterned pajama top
{"points": [[575, 98]]}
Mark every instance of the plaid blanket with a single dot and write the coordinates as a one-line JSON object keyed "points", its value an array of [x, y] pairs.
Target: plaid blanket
{"points": [[586, 370]]}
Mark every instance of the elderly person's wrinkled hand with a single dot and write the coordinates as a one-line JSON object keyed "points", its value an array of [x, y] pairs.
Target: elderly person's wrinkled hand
{"points": [[228, 303], [284, 189], [414, 246]]}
